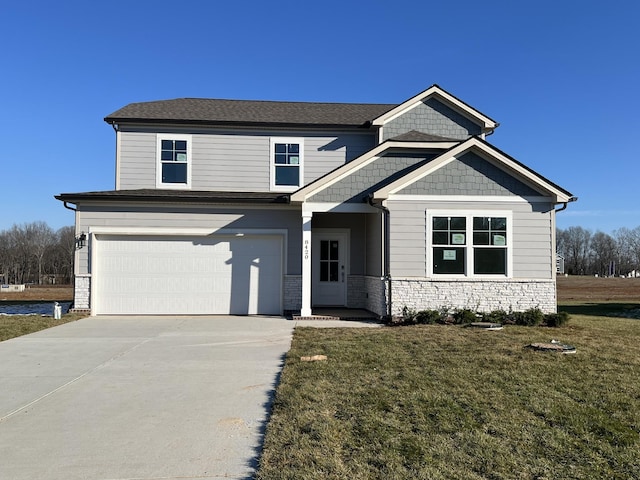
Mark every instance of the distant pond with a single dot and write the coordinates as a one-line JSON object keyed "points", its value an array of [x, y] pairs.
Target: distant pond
{"points": [[25, 308]]}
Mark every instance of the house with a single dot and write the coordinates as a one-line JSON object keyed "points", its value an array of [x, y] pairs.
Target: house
{"points": [[262, 207]]}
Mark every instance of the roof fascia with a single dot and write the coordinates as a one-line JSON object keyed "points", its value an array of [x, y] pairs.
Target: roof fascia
{"points": [[488, 152], [348, 168], [435, 91]]}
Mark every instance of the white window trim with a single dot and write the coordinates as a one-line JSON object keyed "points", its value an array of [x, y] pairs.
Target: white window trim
{"points": [[171, 136], [272, 164], [468, 214]]}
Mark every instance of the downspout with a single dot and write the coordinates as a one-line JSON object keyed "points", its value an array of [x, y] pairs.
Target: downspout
{"points": [[68, 207], [387, 264], [564, 204]]}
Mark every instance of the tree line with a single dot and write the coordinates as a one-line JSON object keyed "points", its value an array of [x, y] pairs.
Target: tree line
{"points": [[587, 253], [35, 253]]}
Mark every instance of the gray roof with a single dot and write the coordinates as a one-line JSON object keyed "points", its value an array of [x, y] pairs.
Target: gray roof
{"points": [[175, 196], [221, 112]]}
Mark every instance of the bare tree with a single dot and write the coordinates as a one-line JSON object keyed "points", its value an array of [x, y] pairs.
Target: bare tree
{"points": [[30, 251], [576, 245], [39, 238], [604, 254]]}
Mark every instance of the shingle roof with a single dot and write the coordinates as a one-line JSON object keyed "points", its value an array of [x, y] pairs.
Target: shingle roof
{"points": [[416, 136], [175, 196], [212, 111]]}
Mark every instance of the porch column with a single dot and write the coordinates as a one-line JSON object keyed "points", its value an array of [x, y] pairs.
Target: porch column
{"points": [[306, 264]]}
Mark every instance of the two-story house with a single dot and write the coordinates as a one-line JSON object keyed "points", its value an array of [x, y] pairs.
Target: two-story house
{"points": [[262, 207]]}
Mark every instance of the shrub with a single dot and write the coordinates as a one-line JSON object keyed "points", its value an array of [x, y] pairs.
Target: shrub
{"points": [[408, 315], [496, 316], [556, 319], [529, 318], [427, 317], [465, 316]]}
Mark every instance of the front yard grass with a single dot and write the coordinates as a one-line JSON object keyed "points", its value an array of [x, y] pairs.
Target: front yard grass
{"points": [[16, 325], [447, 402]]}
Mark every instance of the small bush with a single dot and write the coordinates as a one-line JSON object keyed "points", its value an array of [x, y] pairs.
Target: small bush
{"points": [[556, 319], [529, 318], [427, 317], [465, 315], [496, 316], [408, 315]]}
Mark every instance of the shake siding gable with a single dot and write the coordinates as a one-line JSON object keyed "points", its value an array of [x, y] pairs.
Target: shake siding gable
{"points": [[469, 175], [370, 177], [433, 117]]}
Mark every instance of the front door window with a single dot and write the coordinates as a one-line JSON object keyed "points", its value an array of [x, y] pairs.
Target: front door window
{"points": [[329, 261]]}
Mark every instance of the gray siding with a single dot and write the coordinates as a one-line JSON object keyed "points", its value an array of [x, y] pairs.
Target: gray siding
{"points": [[235, 160], [374, 247], [531, 244], [470, 175], [194, 217], [432, 117], [371, 177], [137, 160]]}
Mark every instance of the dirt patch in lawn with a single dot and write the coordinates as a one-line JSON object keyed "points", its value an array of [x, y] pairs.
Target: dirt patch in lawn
{"points": [[37, 292]]}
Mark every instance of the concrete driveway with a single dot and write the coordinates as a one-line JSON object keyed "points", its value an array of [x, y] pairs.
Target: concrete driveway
{"points": [[139, 397]]}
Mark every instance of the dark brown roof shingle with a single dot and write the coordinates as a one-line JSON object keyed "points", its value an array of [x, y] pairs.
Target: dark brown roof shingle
{"points": [[212, 112]]}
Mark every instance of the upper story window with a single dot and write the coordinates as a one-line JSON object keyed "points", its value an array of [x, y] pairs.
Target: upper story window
{"points": [[470, 245], [174, 161], [286, 163]]}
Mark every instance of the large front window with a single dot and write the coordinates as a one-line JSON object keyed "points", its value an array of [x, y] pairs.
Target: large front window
{"points": [[286, 163], [469, 245], [174, 161]]}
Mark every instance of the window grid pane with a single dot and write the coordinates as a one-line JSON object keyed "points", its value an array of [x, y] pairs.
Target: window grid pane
{"points": [[287, 160]]}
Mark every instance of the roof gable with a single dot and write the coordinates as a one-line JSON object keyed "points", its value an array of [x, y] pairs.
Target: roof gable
{"points": [[489, 153], [435, 92], [468, 175], [335, 176]]}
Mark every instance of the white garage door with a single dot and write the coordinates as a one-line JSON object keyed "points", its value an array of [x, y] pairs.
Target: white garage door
{"points": [[219, 274]]}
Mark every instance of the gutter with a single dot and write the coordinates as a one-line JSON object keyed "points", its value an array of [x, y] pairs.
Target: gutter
{"points": [[387, 264], [68, 207], [564, 204]]}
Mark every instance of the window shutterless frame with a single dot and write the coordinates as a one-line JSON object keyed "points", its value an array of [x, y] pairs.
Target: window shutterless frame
{"points": [[173, 161], [469, 244], [286, 159]]}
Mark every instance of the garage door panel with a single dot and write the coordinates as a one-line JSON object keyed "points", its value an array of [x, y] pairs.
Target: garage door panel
{"points": [[203, 275]]}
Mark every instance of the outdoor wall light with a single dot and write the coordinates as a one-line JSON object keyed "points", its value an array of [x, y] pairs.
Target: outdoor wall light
{"points": [[81, 240]]}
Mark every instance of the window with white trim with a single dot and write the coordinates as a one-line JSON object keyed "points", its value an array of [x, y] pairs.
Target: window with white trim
{"points": [[174, 161], [287, 156], [470, 245]]}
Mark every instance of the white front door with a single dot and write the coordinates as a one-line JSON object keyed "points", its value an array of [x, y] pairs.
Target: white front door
{"points": [[329, 268]]}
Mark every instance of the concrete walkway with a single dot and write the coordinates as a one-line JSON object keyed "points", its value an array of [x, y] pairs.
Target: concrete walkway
{"points": [[114, 398]]}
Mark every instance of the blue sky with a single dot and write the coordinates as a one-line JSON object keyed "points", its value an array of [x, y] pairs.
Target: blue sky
{"points": [[561, 77]]}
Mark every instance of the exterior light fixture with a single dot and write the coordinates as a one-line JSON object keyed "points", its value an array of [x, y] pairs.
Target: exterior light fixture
{"points": [[81, 241]]}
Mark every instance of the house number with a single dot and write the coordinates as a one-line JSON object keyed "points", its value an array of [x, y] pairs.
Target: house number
{"points": [[306, 249]]}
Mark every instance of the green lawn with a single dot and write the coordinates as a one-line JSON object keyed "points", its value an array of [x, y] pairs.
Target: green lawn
{"points": [[448, 402], [16, 325]]}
